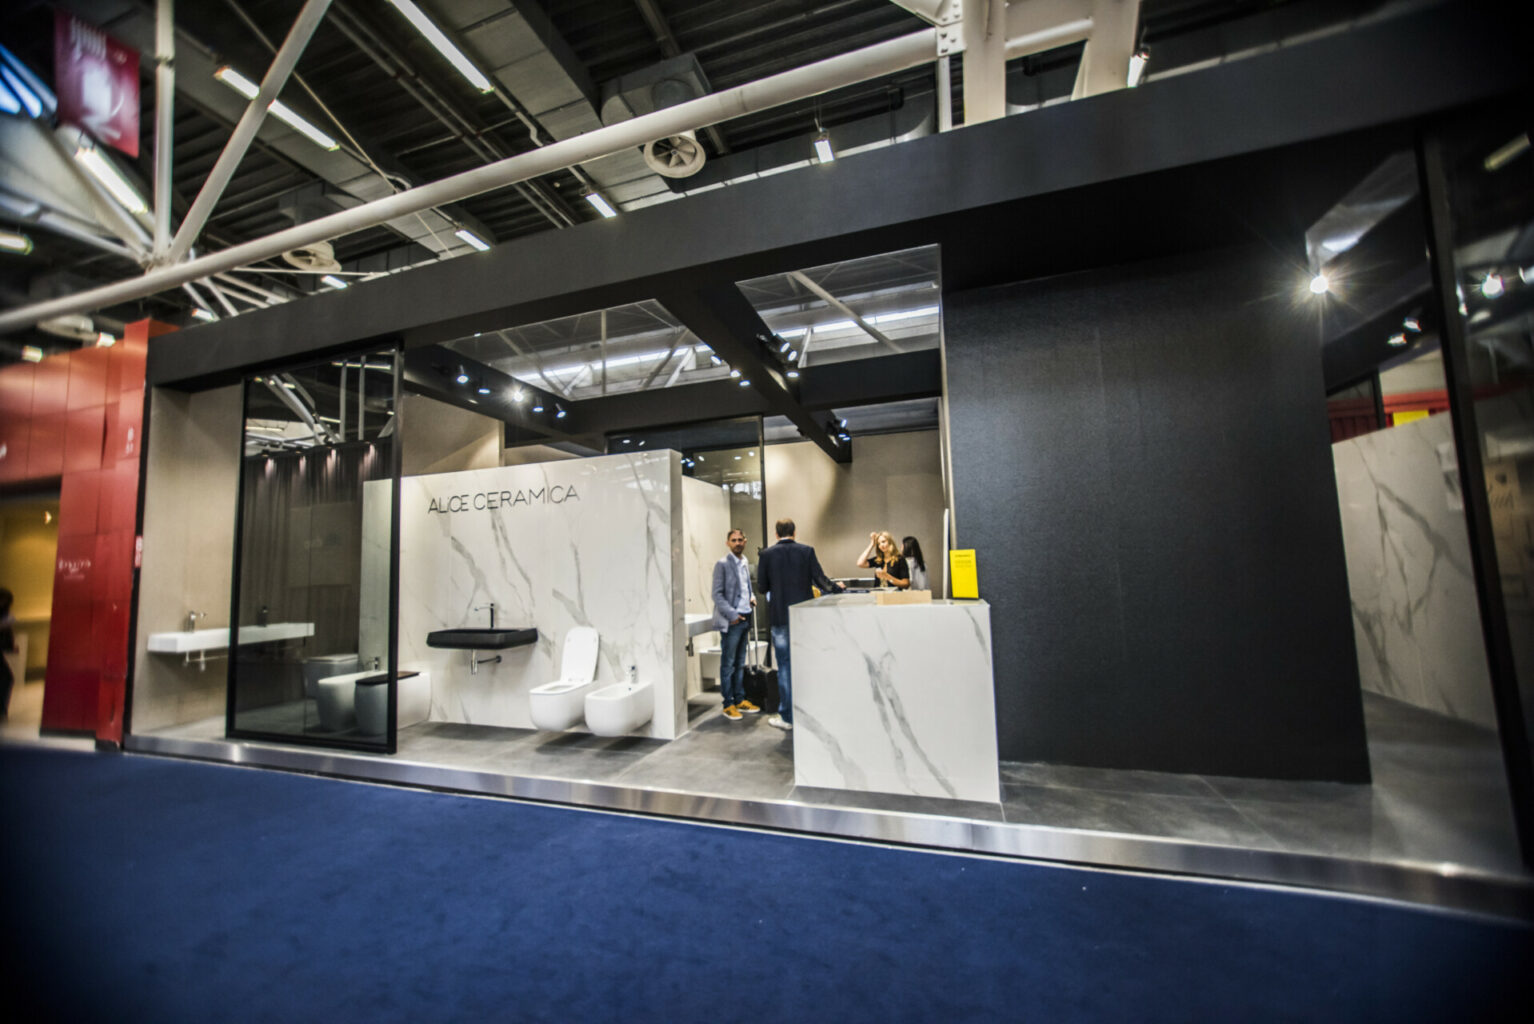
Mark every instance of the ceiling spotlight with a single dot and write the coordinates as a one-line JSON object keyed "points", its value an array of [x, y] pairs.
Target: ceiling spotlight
{"points": [[463, 376], [32, 354], [1396, 340], [106, 172], [1319, 285], [745, 383], [559, 411], [245, 87], [752, 453], [15, 241], [433, 34], [737, 458], [841, 422], [823, 151], [793, 355], [641, 444], [517, 394], [600, 204], [1137, 62], [484, 390], [734, 373], [1491, 285], [473, 240], [793, 375], [1412, 324], [714, 359], [205, 315], [334, 281], [105, 340], [538, 406], [784, 347]]}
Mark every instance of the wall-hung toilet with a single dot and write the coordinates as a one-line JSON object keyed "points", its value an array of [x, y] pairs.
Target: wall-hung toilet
{"points": [[619, 709], [558, 705]]}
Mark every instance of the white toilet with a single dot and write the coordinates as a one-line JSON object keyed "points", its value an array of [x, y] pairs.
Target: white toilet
{"points": [[619, 709], [558, 705]]}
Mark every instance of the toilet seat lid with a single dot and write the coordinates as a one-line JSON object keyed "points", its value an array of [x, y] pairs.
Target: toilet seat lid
{"points": [[579, 664]]}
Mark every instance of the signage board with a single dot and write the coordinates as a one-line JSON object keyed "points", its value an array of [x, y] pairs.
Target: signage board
{"points": [[96, 80]]}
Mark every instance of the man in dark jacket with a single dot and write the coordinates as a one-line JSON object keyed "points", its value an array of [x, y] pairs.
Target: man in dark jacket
{"points": [[785, 573]]}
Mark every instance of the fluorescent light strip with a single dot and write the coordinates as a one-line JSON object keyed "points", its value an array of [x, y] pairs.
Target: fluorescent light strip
{"points": [[245, 87], [433, 34], [823, 149], [107, 173], [206, 315], [602, 205], [23, 92], [334, 281], [1137, 64], [472, 239], [15, 241]]}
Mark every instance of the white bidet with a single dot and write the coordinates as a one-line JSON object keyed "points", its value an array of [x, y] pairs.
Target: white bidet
{"points": [[619, 709]]}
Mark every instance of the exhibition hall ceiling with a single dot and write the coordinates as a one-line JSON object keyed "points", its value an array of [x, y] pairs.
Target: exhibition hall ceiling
{"points": [[402, 116]]}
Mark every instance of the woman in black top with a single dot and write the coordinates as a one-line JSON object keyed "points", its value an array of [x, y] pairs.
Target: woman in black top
{"points": [[883, 556], [912, 552]]}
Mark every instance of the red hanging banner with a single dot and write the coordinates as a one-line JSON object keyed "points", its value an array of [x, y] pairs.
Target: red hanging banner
{"points": [[96, 79]]}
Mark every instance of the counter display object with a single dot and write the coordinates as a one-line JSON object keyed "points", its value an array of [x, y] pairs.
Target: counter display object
{"points": [[894, 698]]}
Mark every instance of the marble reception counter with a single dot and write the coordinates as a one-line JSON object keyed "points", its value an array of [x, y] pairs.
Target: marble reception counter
{"points": [[894, 698]]}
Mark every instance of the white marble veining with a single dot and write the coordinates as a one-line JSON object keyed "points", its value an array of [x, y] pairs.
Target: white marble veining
{"points": [[373, 600], [585, 542], [894, 698], [1416, 622], [705, 524]]}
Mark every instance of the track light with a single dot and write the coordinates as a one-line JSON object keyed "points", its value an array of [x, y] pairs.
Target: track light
{"points": [[601, 205], [484, 390], [1412, 324], [473, 240], [745, 383], [823, 151], [538, 406], [559, 411], [734, 373], [1396, 340], [793, 355], [1491, 285], [104, 340], [278, 109], [433, 34], [205, 315], [1319, 285], [334, 281], [517, 394], [1137, 62], [31, 353], [463, 377], [106, 172], [793, 374], [784, 347], [15, 241]]}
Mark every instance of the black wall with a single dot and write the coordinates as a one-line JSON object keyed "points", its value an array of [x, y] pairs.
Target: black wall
{"points": [[1143, 465]]}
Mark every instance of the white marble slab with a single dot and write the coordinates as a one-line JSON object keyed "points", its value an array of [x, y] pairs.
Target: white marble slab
{"points": [[705, 524], [585, 542], [1416, 623], [215, 639], [894, 698]]}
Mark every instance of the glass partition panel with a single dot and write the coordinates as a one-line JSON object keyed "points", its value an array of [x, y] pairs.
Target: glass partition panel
{"points": [[312, 652]]}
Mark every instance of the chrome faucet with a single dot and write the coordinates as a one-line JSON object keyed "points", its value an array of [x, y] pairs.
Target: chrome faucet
{"points": [[490, 606], [191, 620]]}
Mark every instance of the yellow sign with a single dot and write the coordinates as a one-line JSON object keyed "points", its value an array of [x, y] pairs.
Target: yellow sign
{"points": [[1407, 415], [961, 573]]}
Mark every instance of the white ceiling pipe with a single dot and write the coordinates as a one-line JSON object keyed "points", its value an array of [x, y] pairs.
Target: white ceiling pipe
{"points": [[1063, 34], [801, 83]]}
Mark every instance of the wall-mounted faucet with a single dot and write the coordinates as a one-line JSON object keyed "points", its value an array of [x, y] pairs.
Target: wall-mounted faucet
{"points": [[191, 620], [490, 606]]}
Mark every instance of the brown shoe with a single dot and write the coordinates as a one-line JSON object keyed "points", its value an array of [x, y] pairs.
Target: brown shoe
{"points": [[732, 712], [748, 708]]}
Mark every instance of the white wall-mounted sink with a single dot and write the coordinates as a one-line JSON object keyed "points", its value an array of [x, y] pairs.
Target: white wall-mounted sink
{"points": [[698, 623], [214, 639]]}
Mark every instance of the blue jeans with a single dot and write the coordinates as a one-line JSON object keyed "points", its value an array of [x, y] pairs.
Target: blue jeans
{"points": [[732, 662], [785, 692]]}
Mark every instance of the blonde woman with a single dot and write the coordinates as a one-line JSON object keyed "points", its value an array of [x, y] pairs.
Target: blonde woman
{"points": [[883, 556]]}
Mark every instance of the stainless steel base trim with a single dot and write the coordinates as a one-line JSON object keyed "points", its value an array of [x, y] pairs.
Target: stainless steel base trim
{"points": [[1438, 885]]}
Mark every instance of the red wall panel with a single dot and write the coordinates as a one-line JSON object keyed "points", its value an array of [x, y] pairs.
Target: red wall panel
{"points": [[45, 452], [80, 417]]}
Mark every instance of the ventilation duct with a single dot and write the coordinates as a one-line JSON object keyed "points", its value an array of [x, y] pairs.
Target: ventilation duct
{"points": [[657, 87]]}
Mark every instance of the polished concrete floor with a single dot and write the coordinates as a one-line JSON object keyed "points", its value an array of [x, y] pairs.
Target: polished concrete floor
{"points": [[1438, 796]]}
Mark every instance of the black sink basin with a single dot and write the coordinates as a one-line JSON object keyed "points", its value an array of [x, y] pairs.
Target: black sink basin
{"points": [[481, 639]]}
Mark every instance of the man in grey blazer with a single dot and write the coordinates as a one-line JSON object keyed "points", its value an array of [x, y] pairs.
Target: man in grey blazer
{"points": [[732, 618]]}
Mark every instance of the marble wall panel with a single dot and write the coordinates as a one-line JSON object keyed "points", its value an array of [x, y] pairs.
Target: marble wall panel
{"points": [[590, 542], [1415, 617], [705, 523]]}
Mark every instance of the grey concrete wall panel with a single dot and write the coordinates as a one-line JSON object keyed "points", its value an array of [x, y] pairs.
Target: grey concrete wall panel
{"points": [[1146, 472], [1000, 178]]}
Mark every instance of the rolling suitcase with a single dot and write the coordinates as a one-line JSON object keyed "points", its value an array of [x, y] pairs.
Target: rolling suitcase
{"points": [[760, 682]]}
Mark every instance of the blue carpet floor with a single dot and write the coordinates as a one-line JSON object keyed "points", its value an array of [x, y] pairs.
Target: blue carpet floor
{"points": [[141, 889]]}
